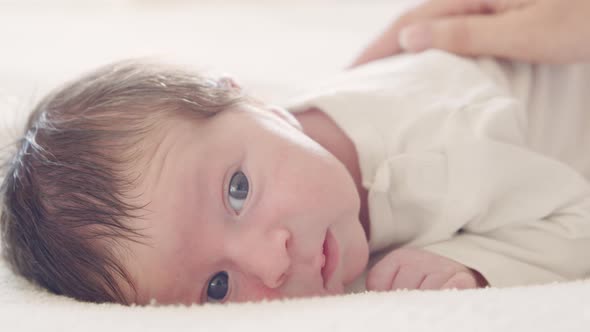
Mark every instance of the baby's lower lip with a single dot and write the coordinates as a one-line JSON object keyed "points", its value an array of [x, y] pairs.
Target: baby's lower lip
{"points": [[330, 251]]}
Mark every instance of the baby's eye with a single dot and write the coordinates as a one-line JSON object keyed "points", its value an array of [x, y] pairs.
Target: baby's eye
{"points": [[217, 287], [238, 190]]}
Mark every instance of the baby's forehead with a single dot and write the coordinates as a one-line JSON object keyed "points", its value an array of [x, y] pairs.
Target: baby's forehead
{"points": [[175, 139], [197, 141], [174, 133]]}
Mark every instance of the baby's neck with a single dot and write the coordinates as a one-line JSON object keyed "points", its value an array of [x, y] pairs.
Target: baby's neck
{"points": [[319, 127]]}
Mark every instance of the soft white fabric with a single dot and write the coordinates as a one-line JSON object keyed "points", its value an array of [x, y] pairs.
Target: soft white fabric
{"points": [[271, 46], [555, 307], [444, 153], [556, 105]]}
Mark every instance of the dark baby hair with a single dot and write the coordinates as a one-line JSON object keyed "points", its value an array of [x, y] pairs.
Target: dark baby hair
{"points": [[66, 196]]}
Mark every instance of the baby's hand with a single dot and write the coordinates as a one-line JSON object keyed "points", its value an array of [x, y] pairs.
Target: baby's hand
{"points": [[411, 268]]}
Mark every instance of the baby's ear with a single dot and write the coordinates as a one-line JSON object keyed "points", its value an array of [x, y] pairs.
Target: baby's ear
{"points": [[285, 115]]}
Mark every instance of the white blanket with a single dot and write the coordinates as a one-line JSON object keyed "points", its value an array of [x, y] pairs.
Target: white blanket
{"points": [[272, 47], [555, 307]]}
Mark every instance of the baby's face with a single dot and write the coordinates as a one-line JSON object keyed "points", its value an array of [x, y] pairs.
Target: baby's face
{"points": [[244, 206]]}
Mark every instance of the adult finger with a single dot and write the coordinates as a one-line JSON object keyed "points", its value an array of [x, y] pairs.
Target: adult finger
{"points": [[387, 43], [502, 35]]}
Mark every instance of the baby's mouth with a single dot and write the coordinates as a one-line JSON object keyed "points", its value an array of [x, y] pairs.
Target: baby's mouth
{"points": [[330, 253]]}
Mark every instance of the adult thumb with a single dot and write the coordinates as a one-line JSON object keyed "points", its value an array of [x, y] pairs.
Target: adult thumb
{"points": [[471, 35]]}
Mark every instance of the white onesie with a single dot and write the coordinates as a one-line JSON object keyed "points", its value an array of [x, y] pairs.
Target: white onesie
{"points": [[478, 161]]}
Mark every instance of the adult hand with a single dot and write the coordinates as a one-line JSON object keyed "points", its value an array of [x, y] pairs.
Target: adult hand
{"points": [[539, 31], [409, 268]]}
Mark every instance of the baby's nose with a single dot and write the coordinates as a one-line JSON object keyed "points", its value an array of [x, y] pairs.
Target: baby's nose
{"points": [[264, 255]]}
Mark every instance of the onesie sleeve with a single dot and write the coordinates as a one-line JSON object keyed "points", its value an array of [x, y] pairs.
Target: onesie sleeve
{"points": [[521, 217], [444, 151]]}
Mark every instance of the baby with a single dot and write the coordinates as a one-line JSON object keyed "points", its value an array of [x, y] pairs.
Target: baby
{"points": [[143, 182]]}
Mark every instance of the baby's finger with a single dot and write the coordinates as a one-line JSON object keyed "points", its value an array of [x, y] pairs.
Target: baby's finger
{"points": [[461, 280], [381, 276], [408, 278], [434, 281]]}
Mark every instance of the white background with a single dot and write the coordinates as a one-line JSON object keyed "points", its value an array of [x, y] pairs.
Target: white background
{"points": [[272, 47]]}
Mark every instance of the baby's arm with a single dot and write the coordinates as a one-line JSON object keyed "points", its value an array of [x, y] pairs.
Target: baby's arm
{"points": [[529, 217], [522, 218]]}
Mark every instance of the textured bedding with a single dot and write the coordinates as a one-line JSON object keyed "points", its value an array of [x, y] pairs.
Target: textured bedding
{"points": [[555, 307], [273, 48]]}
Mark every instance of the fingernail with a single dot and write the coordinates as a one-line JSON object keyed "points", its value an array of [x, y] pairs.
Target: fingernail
{"points": [[415, 38]]}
